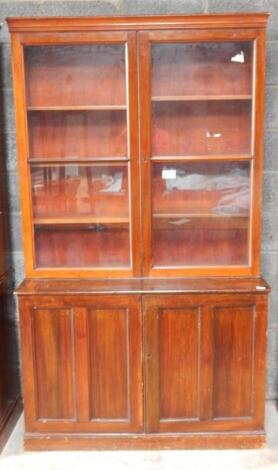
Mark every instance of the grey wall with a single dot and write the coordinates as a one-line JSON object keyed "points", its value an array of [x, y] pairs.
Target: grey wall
{"points": [[269, 253]]}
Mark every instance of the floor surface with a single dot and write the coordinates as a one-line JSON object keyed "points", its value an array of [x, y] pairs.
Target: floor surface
{"points": [[13, 456]]}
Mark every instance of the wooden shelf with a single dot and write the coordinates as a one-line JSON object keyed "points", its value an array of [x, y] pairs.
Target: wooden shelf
{"points": [[208, 157], [196, 215], [115, 107], [200, 221], [81, 220], [202, 98], [113, 161]]}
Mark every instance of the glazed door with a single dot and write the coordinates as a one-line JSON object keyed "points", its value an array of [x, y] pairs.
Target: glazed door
{"points": [[200, 154], [79, 156], [204, 362], [82, 364]]}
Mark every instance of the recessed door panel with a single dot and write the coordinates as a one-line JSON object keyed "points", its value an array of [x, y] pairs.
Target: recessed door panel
{"points": [[109, 374], [233, 345], [178, 362], [53, 357], [109, 364]]}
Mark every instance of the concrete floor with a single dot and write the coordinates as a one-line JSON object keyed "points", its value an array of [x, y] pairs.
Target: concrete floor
{"points": [[13, 456]]}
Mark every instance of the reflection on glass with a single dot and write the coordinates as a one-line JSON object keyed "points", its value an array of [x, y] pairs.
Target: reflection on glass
{"points": [[201, 98], [201, 128], [76, 102], [81, 215], [80, 190], [77, 75], [77, 135], [201, 214], [216, 68], [91, 246]]}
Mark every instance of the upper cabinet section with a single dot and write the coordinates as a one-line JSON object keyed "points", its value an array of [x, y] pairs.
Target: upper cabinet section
{"points": [[140, 144]]}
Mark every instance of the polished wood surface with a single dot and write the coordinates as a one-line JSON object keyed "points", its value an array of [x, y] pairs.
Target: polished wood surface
{"points": [[207, 21], [233, 351], [178, 345], [152, 441], [82, 364], [214, 342], [107, 331], [197, 285], [143, 314], [214, 380], [53, 336]]}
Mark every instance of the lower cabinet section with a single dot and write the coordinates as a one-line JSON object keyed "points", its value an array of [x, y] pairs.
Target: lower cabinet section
{"points": [[143, 371]]}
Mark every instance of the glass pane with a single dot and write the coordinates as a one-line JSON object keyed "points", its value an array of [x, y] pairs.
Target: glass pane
{"points": [[201, 128], [202, 68], [75, 75], [74, 135], [76, 101], [202, 98], [201, 214], [81, 215], [94, 245]]}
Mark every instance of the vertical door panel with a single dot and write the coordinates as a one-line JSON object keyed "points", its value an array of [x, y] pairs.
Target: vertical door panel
{"points": [[108, 340], [172, 349], [53, 357], [178, 370], [109, 364], [233, 346]]}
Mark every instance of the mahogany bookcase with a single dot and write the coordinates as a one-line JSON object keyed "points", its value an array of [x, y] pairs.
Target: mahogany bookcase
{"points": [[143, 313]]}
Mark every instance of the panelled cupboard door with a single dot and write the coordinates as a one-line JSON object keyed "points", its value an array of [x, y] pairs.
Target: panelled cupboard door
{"points": [[201, 105], [204, 362], [82, 364]]}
